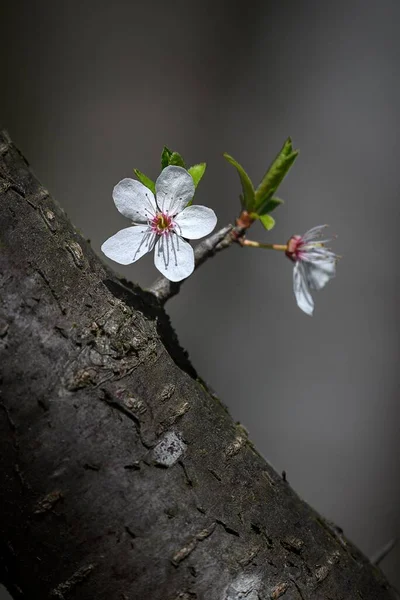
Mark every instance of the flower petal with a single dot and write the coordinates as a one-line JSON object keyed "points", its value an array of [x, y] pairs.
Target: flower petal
{"points": [[314, 254], [301, 289], [319, 272], [134, 200], [128, 245], [174, 257], [174, 189], [195, 222]]}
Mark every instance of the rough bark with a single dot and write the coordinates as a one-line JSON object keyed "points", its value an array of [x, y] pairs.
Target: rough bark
{"points": [[122, 476]]}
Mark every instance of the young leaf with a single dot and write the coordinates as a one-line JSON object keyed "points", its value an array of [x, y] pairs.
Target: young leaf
{"points": [[165, 156], [145, 180], [176, 159], [197, 172], [267, 221], [269, 205], [247, 186], [287, 147], [275, 174]]}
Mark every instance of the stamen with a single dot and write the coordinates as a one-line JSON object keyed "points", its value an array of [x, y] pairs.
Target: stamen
{"points": [[172, 204], [150, 205], [166, 254], [152, 240], [315, 232], [174, 250], [177, 226], [143, 241]]}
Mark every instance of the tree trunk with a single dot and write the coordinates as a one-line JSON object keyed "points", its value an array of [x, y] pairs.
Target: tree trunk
{"points": [[122, 476]]}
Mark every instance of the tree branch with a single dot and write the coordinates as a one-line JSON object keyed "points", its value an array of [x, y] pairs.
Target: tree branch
{"points": [[122, 477]]}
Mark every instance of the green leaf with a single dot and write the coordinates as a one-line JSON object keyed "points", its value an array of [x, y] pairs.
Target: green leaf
{"points": [[165, 156], [168, 157], [248, 197], [269, 205], [197, 172], [267, 221], [176, 159], [275, 174], [145, 180]]}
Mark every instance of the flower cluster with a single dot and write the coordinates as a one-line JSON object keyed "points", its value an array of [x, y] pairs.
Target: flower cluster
{"points": [[161, 222], [314, 265], [165, 221]]}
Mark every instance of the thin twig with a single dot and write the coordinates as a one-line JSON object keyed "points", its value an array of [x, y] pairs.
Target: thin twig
{"points": [[383, 552], [164, 289]]}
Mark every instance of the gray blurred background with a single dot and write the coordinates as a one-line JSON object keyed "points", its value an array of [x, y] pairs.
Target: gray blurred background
{"points": [[90, 90]]}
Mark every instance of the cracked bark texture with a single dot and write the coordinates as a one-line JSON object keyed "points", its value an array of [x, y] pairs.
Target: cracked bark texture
{"points": [[122, 476]]}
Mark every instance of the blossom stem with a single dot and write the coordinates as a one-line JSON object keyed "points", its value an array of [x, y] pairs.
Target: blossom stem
{"points": [[253, 244]]}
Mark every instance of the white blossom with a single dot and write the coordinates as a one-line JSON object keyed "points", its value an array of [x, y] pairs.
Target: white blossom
{"points": [[314, 265], [160, 222]]}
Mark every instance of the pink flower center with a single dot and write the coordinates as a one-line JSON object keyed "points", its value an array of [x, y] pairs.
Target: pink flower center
{"points": [[161, 224], [293, 250]]}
